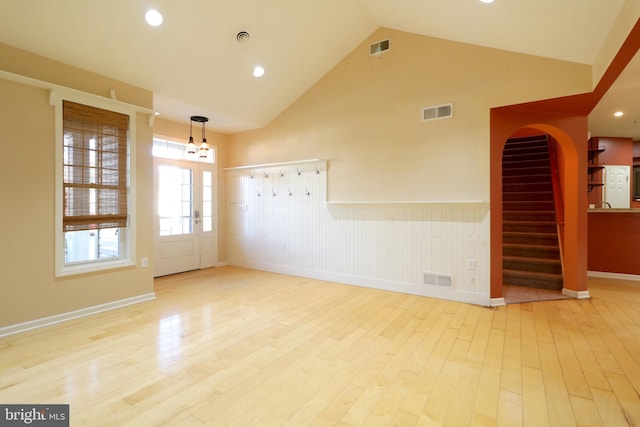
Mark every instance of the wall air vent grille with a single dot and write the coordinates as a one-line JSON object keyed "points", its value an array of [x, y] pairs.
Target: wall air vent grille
{"points": [[435, 279], [379, 47], [444, 111]]}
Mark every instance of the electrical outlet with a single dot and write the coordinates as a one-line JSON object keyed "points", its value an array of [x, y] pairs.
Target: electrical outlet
{"points": [[144, 262], [471, 264]]}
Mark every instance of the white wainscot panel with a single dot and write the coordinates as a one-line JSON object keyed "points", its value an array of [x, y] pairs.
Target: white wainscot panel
{"points": [[279, 221]]}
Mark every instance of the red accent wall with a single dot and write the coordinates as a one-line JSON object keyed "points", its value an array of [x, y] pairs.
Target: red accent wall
{"points": [[613, 242]]}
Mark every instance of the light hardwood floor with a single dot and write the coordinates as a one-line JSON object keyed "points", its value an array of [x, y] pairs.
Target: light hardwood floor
{"points": [[230, 346]]}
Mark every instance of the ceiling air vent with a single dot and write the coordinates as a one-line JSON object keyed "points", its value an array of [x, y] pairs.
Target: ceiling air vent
{"points": [[379, 47], [444, 111], [243, 37]]}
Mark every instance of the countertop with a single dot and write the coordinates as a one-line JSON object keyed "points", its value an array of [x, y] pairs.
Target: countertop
{"points": [[614, 210]]}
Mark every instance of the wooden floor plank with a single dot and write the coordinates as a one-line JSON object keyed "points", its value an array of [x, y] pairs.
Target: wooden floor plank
{"points": [[232, 346]]}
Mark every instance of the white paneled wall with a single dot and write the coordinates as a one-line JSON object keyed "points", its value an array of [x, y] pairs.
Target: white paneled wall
{"points": [[279, 220]]}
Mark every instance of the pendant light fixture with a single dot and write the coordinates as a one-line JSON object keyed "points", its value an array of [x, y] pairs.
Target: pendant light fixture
{"points": [[203, 151]]}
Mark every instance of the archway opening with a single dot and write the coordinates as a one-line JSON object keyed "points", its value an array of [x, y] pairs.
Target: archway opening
{"points": [[571, 138]]}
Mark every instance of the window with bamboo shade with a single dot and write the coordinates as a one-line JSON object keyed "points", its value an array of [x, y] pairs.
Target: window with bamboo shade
{"points": [[95, 168]]}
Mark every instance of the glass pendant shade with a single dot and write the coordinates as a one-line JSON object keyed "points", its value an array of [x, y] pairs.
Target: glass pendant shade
{"points": [[203, 151]]}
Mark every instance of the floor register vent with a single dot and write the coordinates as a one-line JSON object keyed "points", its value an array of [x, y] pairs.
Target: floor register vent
{"points": [[435, 279], [435, 112]]}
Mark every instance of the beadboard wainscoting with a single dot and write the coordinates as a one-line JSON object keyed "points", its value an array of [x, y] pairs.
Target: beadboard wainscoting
{"points": [[280, 221]]}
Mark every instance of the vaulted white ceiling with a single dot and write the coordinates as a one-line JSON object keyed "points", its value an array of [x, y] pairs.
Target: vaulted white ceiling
{"points": [[195, 66]]}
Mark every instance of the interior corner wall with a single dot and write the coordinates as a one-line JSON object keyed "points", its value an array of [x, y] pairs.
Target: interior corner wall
{"points": [[30, 291], [389, 170]]}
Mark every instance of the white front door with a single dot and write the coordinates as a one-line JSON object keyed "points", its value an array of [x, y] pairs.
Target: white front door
{"points": [[184, 223], [616, 188]]}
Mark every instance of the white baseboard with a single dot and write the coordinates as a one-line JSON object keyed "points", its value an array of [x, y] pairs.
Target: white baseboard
{"points": [[63, 317], [450, 294], [576, 294], [608, 275], [497, 302]]}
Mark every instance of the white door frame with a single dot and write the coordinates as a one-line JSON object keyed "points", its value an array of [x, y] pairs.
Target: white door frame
{"points": [[199, 248]]}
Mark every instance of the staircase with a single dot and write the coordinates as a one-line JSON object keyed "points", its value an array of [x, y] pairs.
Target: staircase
{"points": [[531, 253]]}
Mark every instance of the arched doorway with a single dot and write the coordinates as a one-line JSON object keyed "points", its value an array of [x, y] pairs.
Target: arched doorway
{"points": [[566, 120], [571, 137]]}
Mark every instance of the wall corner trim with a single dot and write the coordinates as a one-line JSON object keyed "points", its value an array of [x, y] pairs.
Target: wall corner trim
{"points": [[63, 317]]}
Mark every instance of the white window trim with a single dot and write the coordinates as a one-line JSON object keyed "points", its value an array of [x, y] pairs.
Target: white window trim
{"points": [[127, 259]]}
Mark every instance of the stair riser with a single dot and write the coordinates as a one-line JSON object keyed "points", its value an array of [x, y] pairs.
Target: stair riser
{"points": [[524, 156], [538, 170], [525, 164], [533, 282], [532, 144], [533, 197], [531, 252], [520, 227], [531, 239], [528, 206], [518, 179], [527, 187], [529, 216], [534, 266]]}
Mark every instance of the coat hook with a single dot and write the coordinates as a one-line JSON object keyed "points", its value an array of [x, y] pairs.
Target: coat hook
{"points": [[298, 171], [307, 192], [266, 175], [281, 173], [273, 193], [317, 171], [258, 193], [290, 193], [251, 175]]}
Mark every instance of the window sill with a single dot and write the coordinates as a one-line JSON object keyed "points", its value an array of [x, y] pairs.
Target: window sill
{"points": [[92, 267]]}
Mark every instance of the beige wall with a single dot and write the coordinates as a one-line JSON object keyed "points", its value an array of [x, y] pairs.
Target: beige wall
{"points": [[364, 117], [180, 132], [626, 20], [28, 286]]}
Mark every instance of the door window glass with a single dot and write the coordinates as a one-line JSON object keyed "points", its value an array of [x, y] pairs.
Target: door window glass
{"points": [[175, 200], [207, 202]]}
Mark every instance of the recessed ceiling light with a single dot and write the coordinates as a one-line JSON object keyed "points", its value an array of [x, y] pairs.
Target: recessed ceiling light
{"points": [[258, 71], [153, 17], [618, 114], [487, 1]]}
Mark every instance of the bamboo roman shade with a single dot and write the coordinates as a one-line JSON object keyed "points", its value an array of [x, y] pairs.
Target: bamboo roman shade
{"points": [[95, 167]]}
